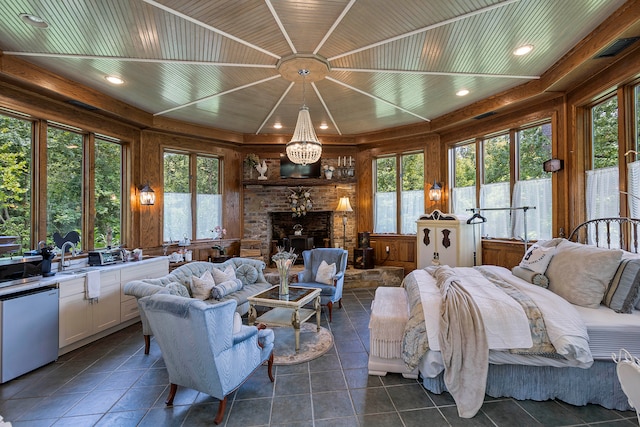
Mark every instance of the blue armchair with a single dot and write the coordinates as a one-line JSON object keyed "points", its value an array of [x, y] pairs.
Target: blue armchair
{"points": [[307, 278], [201, 350]]}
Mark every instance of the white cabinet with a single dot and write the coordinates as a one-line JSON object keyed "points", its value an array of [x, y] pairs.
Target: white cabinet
{"points": [[106, 310], [151, 269], [83, 320], [75, 312], [447, 239], [81, 317]]}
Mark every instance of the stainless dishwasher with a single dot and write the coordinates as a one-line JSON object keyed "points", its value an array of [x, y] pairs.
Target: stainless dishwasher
{"points": [[29, 328]]}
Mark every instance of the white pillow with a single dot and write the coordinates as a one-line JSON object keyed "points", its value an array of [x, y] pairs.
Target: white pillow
{"points": [[325, 273], [537, 258], [220, 276], [230, 271], [237, 322], [201, 286], [581, 273]]}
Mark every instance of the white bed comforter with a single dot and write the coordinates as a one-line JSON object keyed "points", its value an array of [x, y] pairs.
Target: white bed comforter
{"points": [[503, 324], [565, 327]]}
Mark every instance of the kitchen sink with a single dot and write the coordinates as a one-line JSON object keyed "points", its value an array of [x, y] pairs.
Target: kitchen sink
{"points": [[82, 270]]}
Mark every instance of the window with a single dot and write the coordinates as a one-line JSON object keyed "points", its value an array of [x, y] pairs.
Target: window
{"points": [[412, 200], [506, 187], [385, 196], [602, 196], [634, 166], [533, 184], [108, 193], [464, 178], [209, 199], [64, 183], [15, 179], [495, 189], [179, 221], [410, 175]]}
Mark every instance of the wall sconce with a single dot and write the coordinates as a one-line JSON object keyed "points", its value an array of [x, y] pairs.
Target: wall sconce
{"points": [[436, 192], [344, 206], [147, 196]]}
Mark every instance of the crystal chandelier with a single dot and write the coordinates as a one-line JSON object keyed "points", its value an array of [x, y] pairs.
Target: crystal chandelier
{"points": [[304, 147]]}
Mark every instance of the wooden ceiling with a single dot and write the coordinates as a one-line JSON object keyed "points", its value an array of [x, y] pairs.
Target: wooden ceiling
{"points": [[218, 63]]}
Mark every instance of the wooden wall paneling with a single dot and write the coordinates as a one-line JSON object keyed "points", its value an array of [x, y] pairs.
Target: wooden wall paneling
{"points": [[151, 172], [364, 191], [232, 206], [402, 251], [504, 253], [435, 169]]}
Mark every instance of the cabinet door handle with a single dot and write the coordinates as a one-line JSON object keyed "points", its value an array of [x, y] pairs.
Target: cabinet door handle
{"points": [[426, 239]]}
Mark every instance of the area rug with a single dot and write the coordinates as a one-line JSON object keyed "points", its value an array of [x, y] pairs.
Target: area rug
{"points": [[312, 344]]}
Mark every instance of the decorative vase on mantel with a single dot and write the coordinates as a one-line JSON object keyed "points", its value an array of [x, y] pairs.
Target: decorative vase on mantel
{"points": [[284, 260]]}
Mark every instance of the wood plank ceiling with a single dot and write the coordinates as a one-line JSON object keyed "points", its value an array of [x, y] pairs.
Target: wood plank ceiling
{"points": [[216, 62]]}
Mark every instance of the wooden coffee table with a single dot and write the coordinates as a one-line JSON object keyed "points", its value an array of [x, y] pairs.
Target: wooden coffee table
{"points": [[286, 311]]}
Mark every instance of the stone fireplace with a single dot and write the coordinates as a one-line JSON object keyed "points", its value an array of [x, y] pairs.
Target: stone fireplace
{"points": [[316, 229], [267, 216]]}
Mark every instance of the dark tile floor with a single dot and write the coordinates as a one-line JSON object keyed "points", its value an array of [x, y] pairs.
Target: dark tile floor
{"points": [[112, 383]]}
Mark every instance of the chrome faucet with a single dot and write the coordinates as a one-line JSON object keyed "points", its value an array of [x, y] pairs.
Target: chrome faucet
{"points": [[63, 250]]}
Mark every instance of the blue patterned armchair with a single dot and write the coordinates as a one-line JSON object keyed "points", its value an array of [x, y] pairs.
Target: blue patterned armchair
{"points": [[331, 293], [201, 350]]}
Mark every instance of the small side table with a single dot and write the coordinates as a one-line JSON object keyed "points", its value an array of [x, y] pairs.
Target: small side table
{"points": [[363, 258]]}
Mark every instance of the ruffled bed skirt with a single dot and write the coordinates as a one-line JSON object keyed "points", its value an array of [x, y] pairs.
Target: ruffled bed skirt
{"points": [[598, 384]]}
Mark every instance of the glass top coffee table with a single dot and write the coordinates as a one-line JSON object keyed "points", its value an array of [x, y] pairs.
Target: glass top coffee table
{"points": [[286, 311]]}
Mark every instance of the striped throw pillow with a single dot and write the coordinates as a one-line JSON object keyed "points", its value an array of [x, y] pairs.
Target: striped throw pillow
{"points": [[624, 287]]}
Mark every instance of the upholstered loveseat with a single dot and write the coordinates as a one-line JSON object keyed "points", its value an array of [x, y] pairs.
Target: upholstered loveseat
{"points": [[248, 274]]}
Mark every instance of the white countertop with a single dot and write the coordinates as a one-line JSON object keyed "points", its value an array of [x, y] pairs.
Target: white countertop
{"points": [[71, 273]]}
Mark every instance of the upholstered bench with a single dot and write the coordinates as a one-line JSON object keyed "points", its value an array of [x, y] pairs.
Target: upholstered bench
{"points": [[389, 315]]}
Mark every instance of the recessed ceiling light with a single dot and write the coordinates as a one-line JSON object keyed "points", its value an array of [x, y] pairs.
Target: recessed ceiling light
{"points": [[33, 20], [278, 125], [324, 126], [462, 92], [523, 50], [114, 79]]}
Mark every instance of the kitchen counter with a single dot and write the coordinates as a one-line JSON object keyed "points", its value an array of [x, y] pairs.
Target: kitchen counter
{"points": [[69, 274]]}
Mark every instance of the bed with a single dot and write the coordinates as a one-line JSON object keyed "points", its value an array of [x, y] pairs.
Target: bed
{"points": [[580, 371]]}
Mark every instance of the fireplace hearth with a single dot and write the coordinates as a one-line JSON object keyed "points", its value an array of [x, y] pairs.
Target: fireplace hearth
{"points": [[315, 227]]}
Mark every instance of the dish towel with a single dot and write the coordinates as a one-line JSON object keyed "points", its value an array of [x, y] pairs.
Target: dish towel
{"points": [[92, 283]]}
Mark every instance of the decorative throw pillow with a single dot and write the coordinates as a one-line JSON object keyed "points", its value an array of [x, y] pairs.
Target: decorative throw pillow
{"points": [[247, 274], [219, 276], [201, 286], [237, 322], [230, 271], [581, 273], [537, 258], [623, 289], [223, 289], [325, 273], [532, 277]]}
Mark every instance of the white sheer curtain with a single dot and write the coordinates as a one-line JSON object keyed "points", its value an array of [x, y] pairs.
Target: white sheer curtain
{"points": [[498, 222], [533, 193], [177, 216], [412, 208], [633, 188], [603, 200], [462, 199], [603, 197], [385, 214], [209, 214]]}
